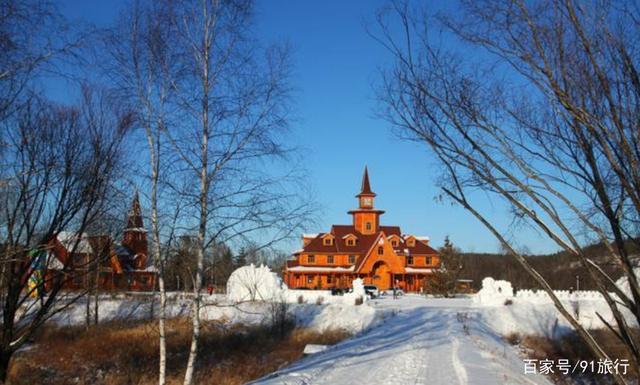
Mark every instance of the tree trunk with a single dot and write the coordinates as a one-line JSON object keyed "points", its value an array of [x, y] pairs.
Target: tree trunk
{"points": [[5, 359]]}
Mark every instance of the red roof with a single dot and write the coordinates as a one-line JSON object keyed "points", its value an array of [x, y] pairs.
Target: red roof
{"points": [[363, 243]]}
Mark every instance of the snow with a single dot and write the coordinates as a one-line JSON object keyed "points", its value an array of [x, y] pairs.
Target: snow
{"points": [[327, 316], [428, 341], [252, 283], [418, 270], [337, 269], [69, 239], [494, 292], [410, 340], [532, 311], [623, 282], [314, 348]]}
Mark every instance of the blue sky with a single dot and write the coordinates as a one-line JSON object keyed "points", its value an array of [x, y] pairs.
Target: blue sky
{"points": [[336, 65]]}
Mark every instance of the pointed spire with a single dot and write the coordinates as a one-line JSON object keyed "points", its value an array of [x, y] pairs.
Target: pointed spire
{"points": [[366, 186], [135, 214]]}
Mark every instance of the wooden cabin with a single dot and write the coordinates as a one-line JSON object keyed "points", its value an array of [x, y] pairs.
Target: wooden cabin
{"points": [[380, 255]]}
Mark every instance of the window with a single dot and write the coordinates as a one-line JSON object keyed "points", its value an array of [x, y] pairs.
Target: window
{"points": [[310, 278], [380, 250], [409, 260], [410, 280], [352, 259], [329, 279], [394, 243], [328, 241], [428, 261], [311, 259], [351, 242], [368, 225], [330, 259], [411, 242]]}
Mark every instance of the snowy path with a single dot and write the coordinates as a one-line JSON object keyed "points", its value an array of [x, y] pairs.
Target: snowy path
{"points": [[427, 342]]}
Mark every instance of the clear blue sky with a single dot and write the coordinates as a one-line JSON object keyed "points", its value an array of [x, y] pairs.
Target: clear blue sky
{"points": [[336, 65]]}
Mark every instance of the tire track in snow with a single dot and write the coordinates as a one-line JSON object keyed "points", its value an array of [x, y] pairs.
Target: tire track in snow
{"points": [[458, 368]]}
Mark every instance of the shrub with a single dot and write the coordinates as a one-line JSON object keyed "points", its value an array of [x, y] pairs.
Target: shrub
{"points": [[513, 338]]}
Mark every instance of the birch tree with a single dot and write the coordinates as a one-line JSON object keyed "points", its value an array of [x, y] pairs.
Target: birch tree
{"points": [[142, 69], [234, 95], [218, 100], [544, 118]]}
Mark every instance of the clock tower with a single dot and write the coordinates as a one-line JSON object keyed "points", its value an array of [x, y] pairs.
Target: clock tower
{"points": [[366, 219]]}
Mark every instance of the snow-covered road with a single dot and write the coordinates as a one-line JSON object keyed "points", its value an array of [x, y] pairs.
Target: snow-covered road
{"points": [[427, 342]]}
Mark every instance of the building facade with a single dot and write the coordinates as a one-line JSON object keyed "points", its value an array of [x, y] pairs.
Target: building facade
{"points": [[380, 255], [124, 266]]}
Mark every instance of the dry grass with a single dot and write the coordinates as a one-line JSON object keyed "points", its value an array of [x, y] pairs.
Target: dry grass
{"points": [[126, 353]]}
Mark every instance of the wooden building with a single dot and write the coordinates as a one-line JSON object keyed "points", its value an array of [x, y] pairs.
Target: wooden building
{"points": [[123, 266], [381, 255]]}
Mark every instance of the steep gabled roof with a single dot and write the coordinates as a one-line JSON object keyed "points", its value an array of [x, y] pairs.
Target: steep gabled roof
{"points": [[134, 219]]}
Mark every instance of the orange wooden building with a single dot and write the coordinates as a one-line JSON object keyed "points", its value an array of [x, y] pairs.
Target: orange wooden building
{"points": [[381, 255]]}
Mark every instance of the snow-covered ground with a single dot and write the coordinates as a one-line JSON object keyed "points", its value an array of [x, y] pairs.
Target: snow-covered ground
{"points": [[428, 341], [326, 316]]}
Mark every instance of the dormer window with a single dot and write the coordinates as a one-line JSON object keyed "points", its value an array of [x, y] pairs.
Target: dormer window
{"points": [[327, 241], [368, 225], [350, 240], [394, 243], [380, 250], [411, 242]]}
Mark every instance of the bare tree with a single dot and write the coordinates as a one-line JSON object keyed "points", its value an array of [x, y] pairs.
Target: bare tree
{"points": [[544, 117], [143, 70], [235, 105], [203, 85], [58, 170], [33, 39]]}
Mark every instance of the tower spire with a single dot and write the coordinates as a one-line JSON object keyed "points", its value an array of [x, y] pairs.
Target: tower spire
{"points": [[366, 186], [134, 220]]}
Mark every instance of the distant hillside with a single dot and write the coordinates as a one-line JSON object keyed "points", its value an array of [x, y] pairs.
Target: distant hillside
{"points": [[560, 269]]}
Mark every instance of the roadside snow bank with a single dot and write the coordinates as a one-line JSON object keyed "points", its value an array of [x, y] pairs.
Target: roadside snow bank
{"points": [[533, 312], [321, 318], [348, 318]]}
